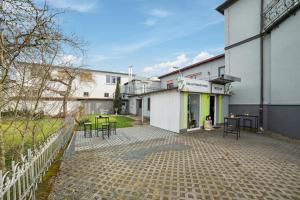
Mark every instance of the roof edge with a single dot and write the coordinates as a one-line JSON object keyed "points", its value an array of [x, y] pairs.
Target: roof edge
{"points": [[194, 65], [77, 68], [225, 5]]}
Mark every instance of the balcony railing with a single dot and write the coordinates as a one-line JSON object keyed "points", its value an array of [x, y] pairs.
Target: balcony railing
{"points": [[278, 10], [139, 90]]}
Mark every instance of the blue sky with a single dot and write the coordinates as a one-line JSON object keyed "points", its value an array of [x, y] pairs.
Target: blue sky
{"points": [[152, 35]]}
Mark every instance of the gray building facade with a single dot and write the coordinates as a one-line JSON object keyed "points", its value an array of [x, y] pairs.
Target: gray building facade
{"points": [[262, 47]]}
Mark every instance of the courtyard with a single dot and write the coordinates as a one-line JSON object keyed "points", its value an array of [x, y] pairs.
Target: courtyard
{"points": [[149, 163]]}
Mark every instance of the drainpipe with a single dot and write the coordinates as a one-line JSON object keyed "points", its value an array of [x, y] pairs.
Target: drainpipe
{"points": [[261, 111], [142, 110]]}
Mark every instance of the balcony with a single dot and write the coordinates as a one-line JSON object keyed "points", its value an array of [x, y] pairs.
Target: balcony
{"points": [[138, 90], [277, 11]]}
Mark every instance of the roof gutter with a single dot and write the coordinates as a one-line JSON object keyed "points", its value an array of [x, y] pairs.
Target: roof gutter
{"points": [[225, 5]]}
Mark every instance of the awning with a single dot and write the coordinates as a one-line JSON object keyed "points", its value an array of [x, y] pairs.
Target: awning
{"points": [[224, 79]]}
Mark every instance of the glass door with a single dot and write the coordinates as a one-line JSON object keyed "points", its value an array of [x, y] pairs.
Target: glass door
{"points": [[193, 111]]}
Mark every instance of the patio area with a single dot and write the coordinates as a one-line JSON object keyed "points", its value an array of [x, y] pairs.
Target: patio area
{"points": [[149, 163]]}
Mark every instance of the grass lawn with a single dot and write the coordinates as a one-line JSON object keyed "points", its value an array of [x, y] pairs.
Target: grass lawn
{"points": [[122, 121], [12, 134]]}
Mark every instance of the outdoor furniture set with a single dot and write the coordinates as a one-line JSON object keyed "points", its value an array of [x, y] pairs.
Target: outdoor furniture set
{"points": [[232, 124], [103, 125]]}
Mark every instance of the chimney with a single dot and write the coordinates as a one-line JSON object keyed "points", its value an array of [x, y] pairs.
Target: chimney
{"points": [[130, 74]]}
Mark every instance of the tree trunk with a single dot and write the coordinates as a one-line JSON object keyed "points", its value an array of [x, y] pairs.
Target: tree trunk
{"points": [[2, 64]]}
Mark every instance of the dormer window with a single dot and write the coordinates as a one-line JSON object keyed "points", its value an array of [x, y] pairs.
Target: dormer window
{"points": [[86, 94]]}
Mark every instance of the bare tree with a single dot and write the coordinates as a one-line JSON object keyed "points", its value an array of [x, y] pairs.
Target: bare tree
{"points": [[29, 34]]}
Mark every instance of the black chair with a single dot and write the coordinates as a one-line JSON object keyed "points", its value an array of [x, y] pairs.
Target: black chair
{"points": [[104, 126], [113, 127], [87, 126], [247, 123]]}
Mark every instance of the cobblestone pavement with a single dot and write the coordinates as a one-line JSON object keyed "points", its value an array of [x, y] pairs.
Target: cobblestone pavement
{"points": [[156, 164]]}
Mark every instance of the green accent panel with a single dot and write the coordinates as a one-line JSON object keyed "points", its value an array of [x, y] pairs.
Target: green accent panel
{"points": [[185, 108], [220, 109], [204, 107]]}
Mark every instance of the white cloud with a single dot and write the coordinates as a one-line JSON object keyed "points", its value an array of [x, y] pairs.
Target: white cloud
{"points": [[149, 22], [202, 56], [168, 66], [180, 61], [69, 58], [160, 13], [76, 5]]}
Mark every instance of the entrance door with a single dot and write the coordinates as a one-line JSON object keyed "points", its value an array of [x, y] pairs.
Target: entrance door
{"points": [[212, 109], [139, 107], [193, 111]]}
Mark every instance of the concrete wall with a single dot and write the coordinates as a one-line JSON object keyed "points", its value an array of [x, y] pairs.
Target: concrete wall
{"points": [[133, 105], [281, 67], [165, 110], [97, 106], [243, 61], [211, 67], [285, 62], [242, 20]]}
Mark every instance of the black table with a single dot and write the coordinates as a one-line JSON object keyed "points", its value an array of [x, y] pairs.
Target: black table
{"points": [[252, 117], [232, 125]]}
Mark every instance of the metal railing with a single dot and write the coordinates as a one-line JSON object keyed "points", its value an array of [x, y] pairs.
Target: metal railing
{"points": [[276, 10], [21, 182], [141, 90]]}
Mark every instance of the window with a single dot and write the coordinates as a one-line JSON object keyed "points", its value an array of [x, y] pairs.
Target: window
{"points": [[112, 79], [106, 94], [36, 71], [170, 85], [148, 105], [86, 76], [221, 71], [194, 76], [107, 78], [85, 94]]}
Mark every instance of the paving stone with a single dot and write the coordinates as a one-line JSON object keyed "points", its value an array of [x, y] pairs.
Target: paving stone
{"points": [[150, 163]]}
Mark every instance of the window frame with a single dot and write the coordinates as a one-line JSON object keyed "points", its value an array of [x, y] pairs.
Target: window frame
{"points": [[111, 79], [86, 94], [148, 104], [219, 70]]}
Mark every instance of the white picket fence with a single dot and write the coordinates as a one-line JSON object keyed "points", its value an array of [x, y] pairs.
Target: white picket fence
{"points": [[21, 182]]}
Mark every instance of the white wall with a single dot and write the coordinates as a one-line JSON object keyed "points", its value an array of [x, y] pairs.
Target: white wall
{"points": [[98, 87], [281, 56], [242, 19], [133, 105], [165, 110], [211, 67], [244, 62], [285, 62]]}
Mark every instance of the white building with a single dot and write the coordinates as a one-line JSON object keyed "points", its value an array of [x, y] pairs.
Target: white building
{"points": [[135, 91], [186, 97], [94, 89], [264, 52]]}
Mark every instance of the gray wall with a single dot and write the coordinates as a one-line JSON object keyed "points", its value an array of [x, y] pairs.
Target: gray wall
{"points": [[281, 67], [283, 119]]}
